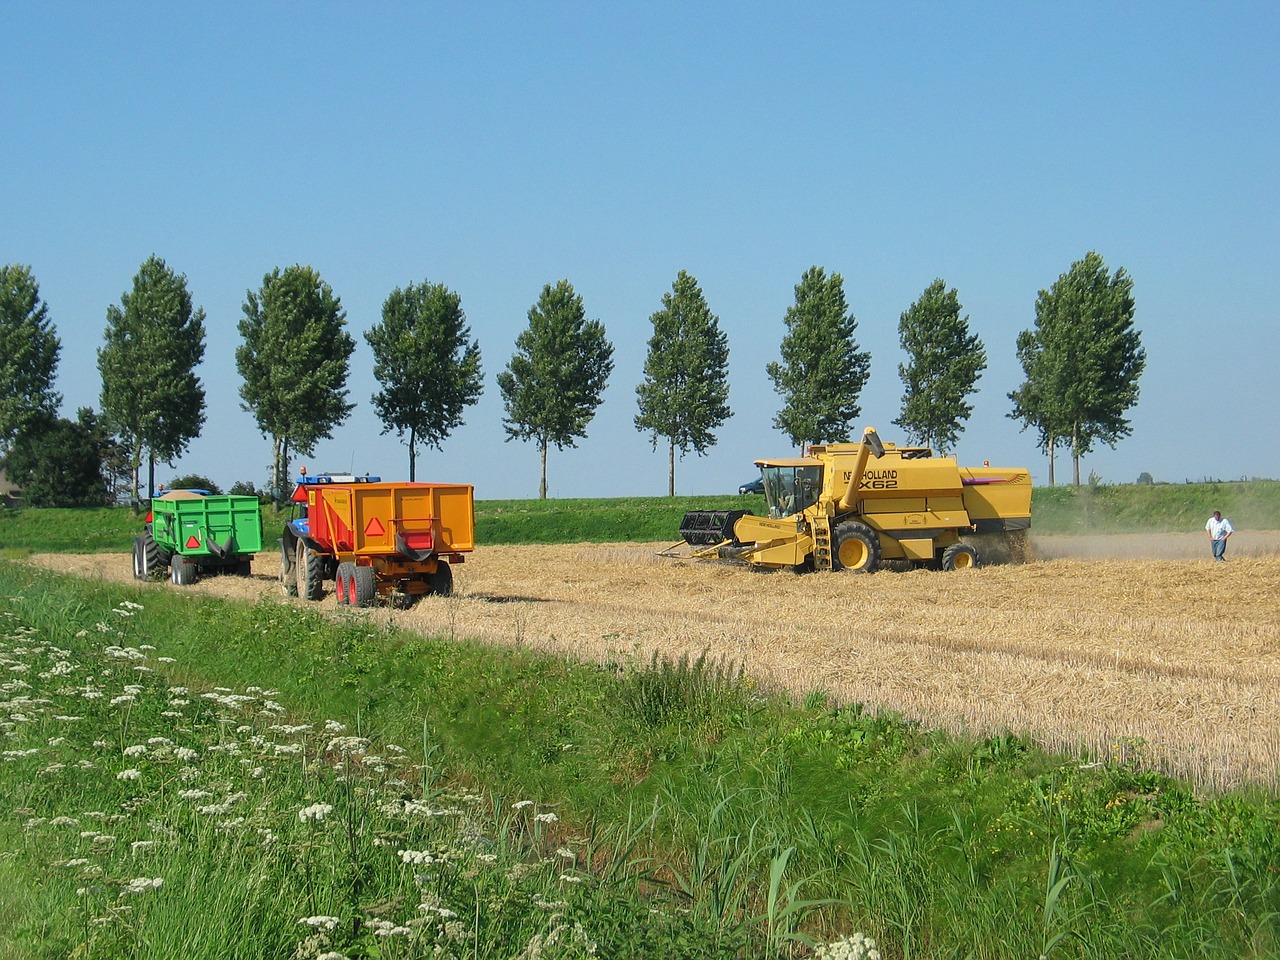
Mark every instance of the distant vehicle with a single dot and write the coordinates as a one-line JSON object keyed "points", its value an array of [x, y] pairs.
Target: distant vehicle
{"points": [[755, 486]]}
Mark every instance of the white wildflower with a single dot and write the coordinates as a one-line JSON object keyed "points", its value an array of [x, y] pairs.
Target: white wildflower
{"points": [[317, 812], [142, 885], [319, 923], [130, 774]]}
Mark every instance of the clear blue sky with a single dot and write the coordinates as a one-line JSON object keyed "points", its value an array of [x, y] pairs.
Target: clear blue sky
{"points": [[496, 147]]}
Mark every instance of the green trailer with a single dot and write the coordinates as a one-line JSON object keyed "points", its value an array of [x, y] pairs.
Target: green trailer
{"points": [[194, 533]]}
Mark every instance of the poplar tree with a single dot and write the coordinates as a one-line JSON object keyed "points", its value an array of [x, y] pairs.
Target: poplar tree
{"points": [[29, 349], [1082, 362], [427, 364], [943, 364], [151, 396], [822, 372], [556, 378], [294, 361], [685, 393]]}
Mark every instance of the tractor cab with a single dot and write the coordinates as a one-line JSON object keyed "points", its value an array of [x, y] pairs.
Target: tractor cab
{"points": [[790, 486], [299, 520]]}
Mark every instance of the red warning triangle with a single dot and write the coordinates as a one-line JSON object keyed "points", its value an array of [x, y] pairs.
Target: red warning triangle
{"points": [[374, 528], [193, 542]]}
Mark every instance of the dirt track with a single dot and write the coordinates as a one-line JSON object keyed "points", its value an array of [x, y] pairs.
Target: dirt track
{"points": [[1137, 646]]}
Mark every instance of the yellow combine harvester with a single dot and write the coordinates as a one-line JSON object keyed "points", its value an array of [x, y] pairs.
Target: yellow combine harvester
{"points": [[840, 509]]}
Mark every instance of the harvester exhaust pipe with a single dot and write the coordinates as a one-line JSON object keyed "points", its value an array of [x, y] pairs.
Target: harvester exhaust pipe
{"points": [[870, 444]]}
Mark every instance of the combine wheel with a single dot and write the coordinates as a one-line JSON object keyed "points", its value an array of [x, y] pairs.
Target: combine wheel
{"points": [[182, 571], [310, 570], [442, 580], [344, 583], [857, 548], [959, 556], [362, 587]]}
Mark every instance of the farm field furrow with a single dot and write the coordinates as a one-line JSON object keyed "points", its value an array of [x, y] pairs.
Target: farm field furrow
{"points": [[1148, 651]]}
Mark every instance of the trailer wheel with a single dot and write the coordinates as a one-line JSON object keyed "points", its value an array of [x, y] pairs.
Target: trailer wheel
{"points": [[959, 556], [442, 580], [182, 571], [343, 587], [310, 573], [244, 567], [857, 548], [362, 588]]}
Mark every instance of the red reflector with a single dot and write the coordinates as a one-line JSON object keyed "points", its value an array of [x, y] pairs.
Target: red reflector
{"points": [[374, 528], [193, 542]]}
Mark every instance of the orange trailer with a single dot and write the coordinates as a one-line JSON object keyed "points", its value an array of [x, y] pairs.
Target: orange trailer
{"points": [[397, 541]]}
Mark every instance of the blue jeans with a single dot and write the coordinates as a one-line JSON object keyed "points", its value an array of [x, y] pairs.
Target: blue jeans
{"points": [[1219, 548]]}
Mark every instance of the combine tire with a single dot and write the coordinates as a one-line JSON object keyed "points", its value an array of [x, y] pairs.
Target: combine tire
{"points": [[310, 571], [182, 571], [442, 580], [363, 587], [959, 556], [857, 548]]}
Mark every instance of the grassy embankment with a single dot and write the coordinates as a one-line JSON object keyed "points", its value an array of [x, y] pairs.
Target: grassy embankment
{"points": [[1251, 505], [676, 810]]}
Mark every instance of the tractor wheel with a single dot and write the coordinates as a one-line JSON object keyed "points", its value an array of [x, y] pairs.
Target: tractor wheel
{"points": [[288, 572], [857, 548], [363, 587], [140, 571], [959, 556], [442, 580], [310, 573], [343, 583], [182, 571], [149, 559]]}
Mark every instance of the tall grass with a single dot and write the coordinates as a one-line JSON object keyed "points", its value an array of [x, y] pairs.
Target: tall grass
{"points": [[270, 766]]}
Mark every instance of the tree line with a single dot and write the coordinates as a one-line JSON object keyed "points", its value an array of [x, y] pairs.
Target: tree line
{"points": [[1082, 360]]}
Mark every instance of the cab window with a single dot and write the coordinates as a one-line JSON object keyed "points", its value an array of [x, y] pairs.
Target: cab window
{"points": [[789, 490]]}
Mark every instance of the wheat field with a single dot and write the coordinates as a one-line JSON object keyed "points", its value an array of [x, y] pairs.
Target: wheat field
{"points": [[1133, 648]]}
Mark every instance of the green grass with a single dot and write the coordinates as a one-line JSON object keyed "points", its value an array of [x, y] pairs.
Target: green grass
{"points": [[698, 815], [1251, 505]]}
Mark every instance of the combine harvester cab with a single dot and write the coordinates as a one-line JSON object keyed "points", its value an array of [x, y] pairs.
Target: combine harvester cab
{"points": [[851, 506], [194, 533], [395, 541]]}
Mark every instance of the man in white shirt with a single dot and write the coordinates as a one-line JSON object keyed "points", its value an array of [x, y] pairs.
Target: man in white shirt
{"points": [[1218, 529]]}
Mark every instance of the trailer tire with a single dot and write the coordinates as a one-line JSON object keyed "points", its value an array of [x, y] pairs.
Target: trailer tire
{"points": [[343, 585], [310, 573], [363, 586], [244, 567], [857, 548], [442, 580], [959, 556], [182, 571]]}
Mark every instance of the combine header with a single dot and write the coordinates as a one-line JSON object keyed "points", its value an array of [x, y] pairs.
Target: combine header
{"points": [[836, 509], [373, 539]]}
